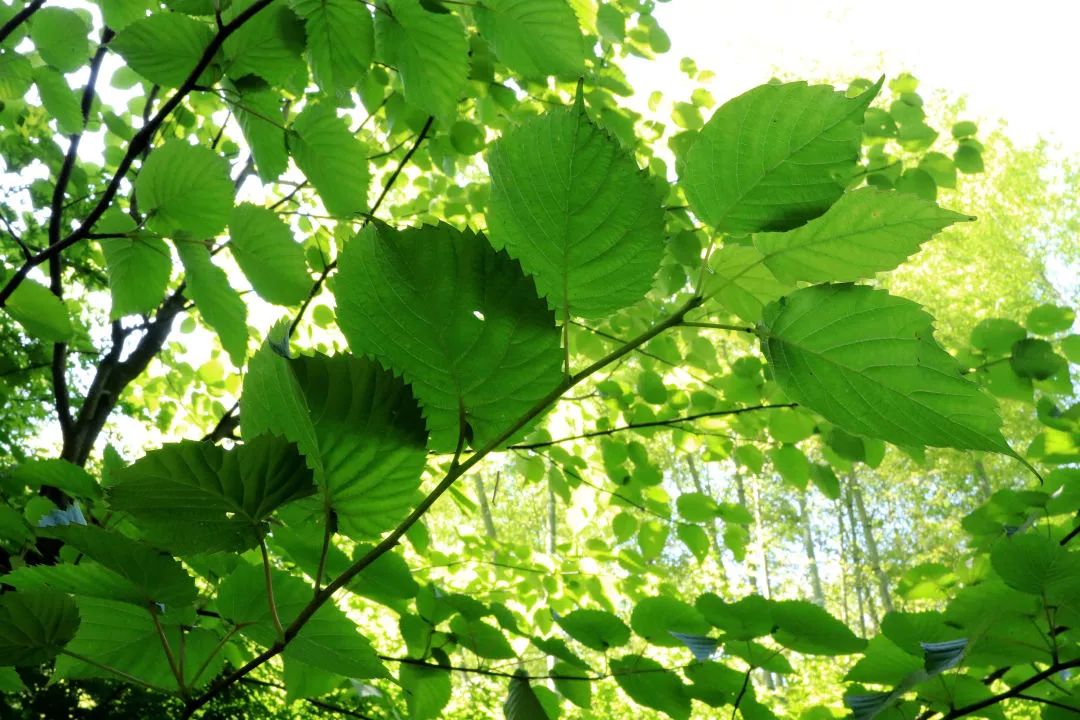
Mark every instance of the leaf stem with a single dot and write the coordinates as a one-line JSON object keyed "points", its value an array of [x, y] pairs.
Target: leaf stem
{"points": [[109, 669], [270, 590], [719, 326], [168, 651]]}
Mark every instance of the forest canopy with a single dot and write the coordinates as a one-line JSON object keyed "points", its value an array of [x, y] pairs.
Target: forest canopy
{"points": [[381, 360]]}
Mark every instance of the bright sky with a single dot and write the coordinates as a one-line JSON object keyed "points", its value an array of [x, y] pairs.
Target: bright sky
{"points": [[1012, 61]]}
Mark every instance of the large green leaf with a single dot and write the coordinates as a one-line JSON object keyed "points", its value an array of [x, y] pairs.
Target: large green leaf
{"points": [[57, 473], [572, 206], [259, 113], [868, 362], [268, 45], [649, 684], [521, 701], [196, 497], [656, 618], [340, 41], [265, 250], [741, 282], [59, 99], [218, 303], [139, 267], [595, 629], [328, 641], [865, 232], [164, 47], [808, 628], [331, 158], [60, 36], [774, 157], [459, 321], [1036, 564], [137, 573], [429, 50], [357, 424], [427, 691], [41, 314], [34, 626], [185, 189], [533, 38]]}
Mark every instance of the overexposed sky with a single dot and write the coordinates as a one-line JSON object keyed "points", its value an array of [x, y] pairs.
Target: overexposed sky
{"points": [[1013, 61]]}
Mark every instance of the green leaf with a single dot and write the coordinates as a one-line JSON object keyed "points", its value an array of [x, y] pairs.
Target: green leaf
{"points": [[996, 336], [139, 268], [695, 539], [578, 692], [521, 702], [808, 628], [164, 47], [59, 474], [427, 691], [865, 232], [774, 157], [1035, 359], [268, 45], [118, 14], [1035, 564], [60, 36], [332, 159], [259, 115], [481, 638], [340, 41], [186, 188], [59, 100], [595, 629], [430, 52], [868, 362], [41, 314], [745, 619], [16, 75], [34, 626], [358, 426], [572, 206], [264, 248], [742, 282], [137, 573], [696, 507], [534, 38], [198, 497], [1049, 319], [792, 465], [10, 681], [883, 663], [459, 321], [656, 618], [218, 303], [648, 684]]}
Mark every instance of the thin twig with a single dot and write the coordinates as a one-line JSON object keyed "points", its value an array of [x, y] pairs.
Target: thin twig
{"points": [[270, 590]]}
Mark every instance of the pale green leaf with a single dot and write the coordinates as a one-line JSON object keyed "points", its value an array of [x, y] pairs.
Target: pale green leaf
{"points": [[357, 424], [595, 629], [340, 41], [331, 157], [259, 114], [807, 628], [16, 74], [218, 303], [41, 314], [118, 14], [197, 497], [868, 362], [139, 268], [164, 47], [866, 231], [268, 45], [59, 100], [60, 36], [57, 473], [774, 157], [429, 50], [649, 684], [265, 250], [427, 691], [185, 189], [459, 321], [656, 618], [572, 206], [534, 38], [740, 281]]}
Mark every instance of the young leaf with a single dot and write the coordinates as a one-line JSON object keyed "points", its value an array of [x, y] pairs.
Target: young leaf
{"points": [[340, 41], [164, 47], [34, 626], [866, 231], [41, 314], [458, 320], [429, 50], [868, 362], [220, 306], [197, 497], [186, 188], [264, 248], [534, 38], [331, 158], [774, 157], [742, 282], [357, 424], [572, 206]]}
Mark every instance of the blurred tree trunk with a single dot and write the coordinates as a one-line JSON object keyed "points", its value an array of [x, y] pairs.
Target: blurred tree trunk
{"points": [[808, 546], [871, 547], [485, 509]]}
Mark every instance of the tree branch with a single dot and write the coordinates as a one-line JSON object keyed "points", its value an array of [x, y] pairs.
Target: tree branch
{"points": [[19, 18], [1014, 691], [651, 424]]}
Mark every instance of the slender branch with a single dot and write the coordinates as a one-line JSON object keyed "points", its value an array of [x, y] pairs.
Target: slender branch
{"points": [[1047, 701], [367, 219], [651, 424], [391, 540], [1014, 691], [213, 653], [168, 652], [19, 18], [497, 673], [718, 326], [327, 533], [109, 669], [312, 701], [1072, 534], [139, 143], [270, 590], [742, 692]]}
